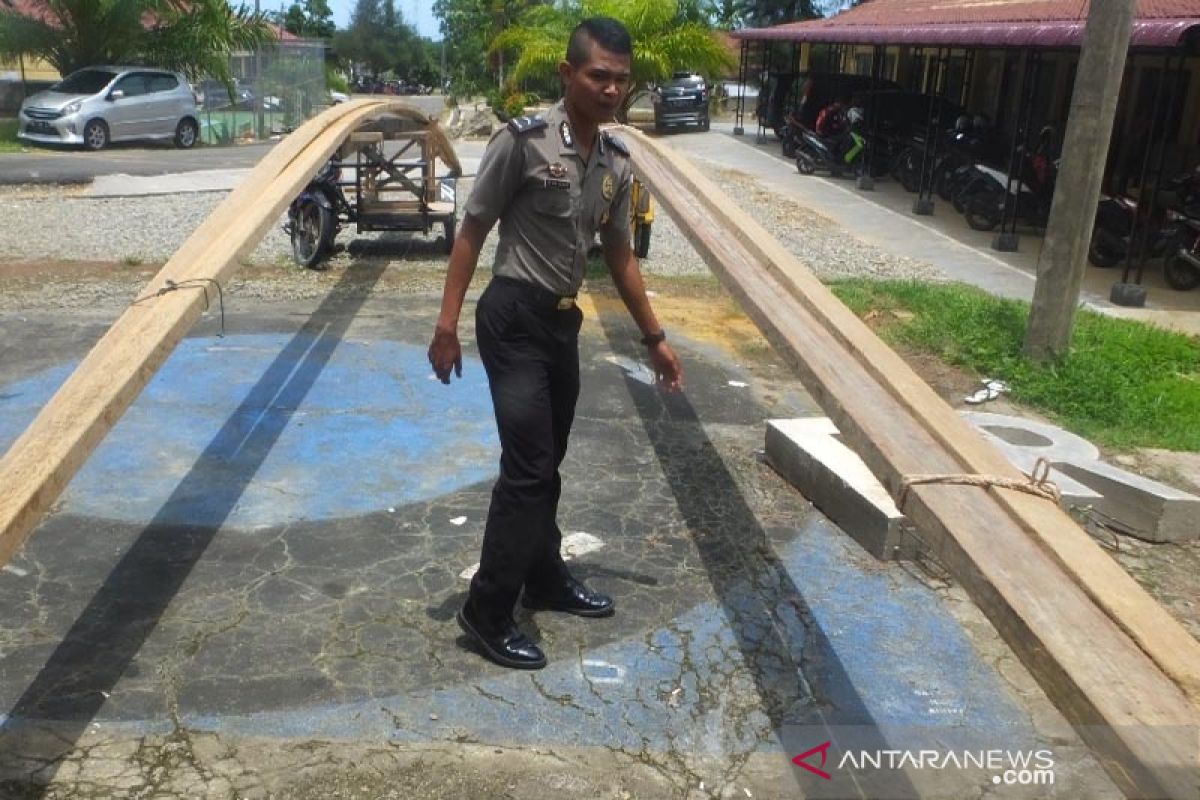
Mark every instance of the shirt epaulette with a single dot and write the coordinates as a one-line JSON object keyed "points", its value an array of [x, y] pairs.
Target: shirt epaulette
{"points": [[526, 124], [615, 142]]}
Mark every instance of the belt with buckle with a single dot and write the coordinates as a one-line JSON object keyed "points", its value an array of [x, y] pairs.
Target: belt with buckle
{"points": [[539, 295]]}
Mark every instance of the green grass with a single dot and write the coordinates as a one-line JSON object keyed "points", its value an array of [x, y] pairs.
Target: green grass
{"points": [[8, 136], [1124, 384]]}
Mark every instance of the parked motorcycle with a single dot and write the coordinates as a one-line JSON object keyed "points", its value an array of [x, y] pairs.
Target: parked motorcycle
{"points": [[316, 215], [1181, 270], [962, 146], [814, 152], [987, 193], [838, 155], [1112, 233]]}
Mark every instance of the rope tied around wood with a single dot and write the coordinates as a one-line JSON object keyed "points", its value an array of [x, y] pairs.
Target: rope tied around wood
{"points": [[1037, 483], [193, 283]]}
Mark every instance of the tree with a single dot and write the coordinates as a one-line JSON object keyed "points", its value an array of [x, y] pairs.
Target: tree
{"points": [[193, 36], [765, 13], [311, 19], [380, 40], [467, 28], [667, 36]]}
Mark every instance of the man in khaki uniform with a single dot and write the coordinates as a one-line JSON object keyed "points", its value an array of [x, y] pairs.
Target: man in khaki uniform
{"points": [[553, 182]]}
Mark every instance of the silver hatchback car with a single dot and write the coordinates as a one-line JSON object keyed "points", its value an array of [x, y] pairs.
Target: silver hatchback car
{"points": [[98, 105]]}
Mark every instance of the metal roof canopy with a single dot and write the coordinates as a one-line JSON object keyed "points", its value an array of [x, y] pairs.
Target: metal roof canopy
{"points": [[1147, 33]]}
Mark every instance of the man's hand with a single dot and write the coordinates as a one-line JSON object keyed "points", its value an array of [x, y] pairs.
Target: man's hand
{"points": [[445, 353], [668, 372]]}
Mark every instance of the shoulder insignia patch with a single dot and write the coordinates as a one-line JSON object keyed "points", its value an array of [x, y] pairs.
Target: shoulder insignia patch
{"points": [[615, 142], [526, 124]]}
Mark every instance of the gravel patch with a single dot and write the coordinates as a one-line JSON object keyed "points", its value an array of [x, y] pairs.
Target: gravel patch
{"points": [[59, 223]]}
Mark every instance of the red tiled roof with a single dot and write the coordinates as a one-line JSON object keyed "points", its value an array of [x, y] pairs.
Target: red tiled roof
{"points": [[36, 9], [1013, 23]]}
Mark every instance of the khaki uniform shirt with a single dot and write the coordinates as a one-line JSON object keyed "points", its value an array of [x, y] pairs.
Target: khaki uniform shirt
{"points": [[549, 201]]}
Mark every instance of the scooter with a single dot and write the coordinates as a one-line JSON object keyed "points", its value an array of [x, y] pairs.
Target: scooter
{"points": [[814, 152], [316, 216], [988, 193]]}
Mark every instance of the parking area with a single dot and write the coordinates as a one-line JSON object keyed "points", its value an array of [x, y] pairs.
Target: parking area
{"points": [[263, 606], [884, 218]]}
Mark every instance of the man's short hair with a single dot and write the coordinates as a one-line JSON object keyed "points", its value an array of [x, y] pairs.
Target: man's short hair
{"points": [[604, 31]]}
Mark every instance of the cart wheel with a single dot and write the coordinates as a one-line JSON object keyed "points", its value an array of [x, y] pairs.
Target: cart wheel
{"points": [[448, 230], [641, 240], [312, 233]]}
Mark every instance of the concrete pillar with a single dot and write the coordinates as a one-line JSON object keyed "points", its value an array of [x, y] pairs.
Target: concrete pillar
{"points": [[1085, 149]]}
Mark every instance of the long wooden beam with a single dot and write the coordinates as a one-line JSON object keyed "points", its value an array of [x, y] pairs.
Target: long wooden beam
{"points": [[1115, 662], [51, 450]]}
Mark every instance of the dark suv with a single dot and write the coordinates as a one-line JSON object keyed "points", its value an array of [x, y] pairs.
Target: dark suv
{"points": [[681, 101]]}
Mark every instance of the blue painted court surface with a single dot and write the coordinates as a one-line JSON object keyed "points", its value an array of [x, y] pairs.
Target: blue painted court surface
{"points": [[265, 430], [359, 439]]}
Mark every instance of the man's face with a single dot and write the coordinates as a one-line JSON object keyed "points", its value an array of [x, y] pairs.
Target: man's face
{"points": [[597, 86]]}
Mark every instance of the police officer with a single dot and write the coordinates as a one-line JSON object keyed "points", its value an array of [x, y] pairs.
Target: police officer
{"points": [[553, 182]]}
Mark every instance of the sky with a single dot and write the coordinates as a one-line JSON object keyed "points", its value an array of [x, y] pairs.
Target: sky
{"points": [[418, 11]]}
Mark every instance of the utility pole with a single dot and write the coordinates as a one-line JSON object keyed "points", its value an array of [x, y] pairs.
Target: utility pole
{"points": [[1085, 150], [260, 123]]}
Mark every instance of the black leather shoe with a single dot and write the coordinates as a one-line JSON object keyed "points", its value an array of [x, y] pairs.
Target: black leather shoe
{"points": [[508, 647], [571, 598]]}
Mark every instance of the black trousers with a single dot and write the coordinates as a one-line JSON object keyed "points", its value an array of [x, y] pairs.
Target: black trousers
{"points": [[530, 350]]}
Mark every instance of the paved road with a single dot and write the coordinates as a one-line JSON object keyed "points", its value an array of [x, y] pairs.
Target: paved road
{"points": [[61, 165]]}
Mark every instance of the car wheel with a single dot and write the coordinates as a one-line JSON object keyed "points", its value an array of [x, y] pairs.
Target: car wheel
{"points": [[312, 233], [641, 240], [95, 135], [704, 126], [186, 133]]}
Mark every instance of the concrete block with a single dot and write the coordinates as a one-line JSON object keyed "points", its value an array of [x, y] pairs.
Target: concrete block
{"points": [[808, 454], [1133, 504]]}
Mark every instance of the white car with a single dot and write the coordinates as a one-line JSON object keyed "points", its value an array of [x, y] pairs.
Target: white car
{"points": [[98, 105]]}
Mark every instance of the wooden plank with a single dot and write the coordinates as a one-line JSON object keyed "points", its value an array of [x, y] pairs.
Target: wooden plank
{"points": [[43, 459], [1163, 638], [362, 138], [1122, 701]]}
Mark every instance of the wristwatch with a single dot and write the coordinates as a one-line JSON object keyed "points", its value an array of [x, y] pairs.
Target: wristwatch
{"points": [[651, 339]]}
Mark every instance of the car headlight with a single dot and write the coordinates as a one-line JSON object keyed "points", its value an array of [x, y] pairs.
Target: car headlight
{"points": [[72, 107]]}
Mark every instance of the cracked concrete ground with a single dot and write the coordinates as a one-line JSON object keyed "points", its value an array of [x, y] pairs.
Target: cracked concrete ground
{"points": [[300, 643]]}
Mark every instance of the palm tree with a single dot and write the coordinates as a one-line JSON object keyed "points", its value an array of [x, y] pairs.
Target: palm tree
{"points": [[192, 36], [665, 38]]}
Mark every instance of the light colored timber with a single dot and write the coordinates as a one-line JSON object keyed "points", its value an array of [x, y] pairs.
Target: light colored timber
{"points": [[1116, 663], [1145, 620], [51, 450]]}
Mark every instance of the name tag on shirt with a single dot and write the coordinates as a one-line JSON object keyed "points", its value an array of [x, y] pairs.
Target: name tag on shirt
{"points": [[554, 183]]}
